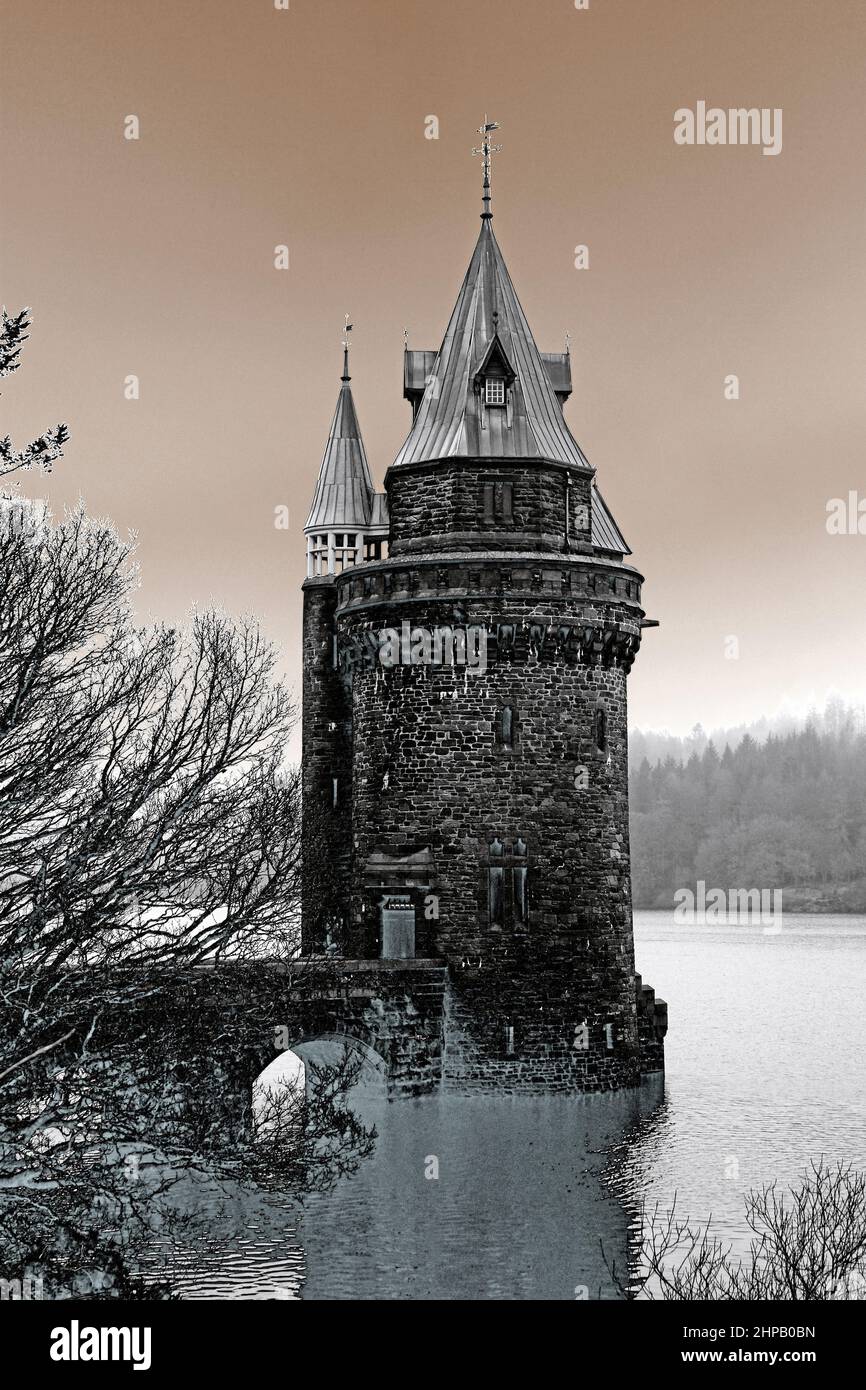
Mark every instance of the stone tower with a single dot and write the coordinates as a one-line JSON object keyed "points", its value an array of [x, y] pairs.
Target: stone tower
{"points": [[467, 639]]}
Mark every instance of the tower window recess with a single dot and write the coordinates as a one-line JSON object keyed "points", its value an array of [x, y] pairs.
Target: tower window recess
{"points": [[518, 877], [494, 391], [496, 885], [507, 883], [498, 501], [506, 726], [601, 730]]}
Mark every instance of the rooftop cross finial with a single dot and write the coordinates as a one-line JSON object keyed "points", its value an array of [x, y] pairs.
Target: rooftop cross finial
{"points": [[486, 149], [346, 331]]}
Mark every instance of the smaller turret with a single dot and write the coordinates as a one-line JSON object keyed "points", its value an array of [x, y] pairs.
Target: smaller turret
{"points": [[348, 520]]}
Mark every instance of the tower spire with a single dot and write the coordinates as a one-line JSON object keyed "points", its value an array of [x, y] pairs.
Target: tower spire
{"points": [[486, 150]]}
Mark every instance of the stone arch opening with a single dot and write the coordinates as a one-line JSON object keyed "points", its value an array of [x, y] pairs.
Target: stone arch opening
{"points": [[312, 1058]]}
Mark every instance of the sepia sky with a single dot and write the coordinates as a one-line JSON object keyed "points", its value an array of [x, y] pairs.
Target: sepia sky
{"points": [[306, 127]]}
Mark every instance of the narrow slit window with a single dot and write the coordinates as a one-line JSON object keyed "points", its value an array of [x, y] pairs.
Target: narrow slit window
{"points": [[495, 896], [601, 730], [496, 884], [507, 489], [519, 882], [506, 726], [498, 502], [520, 912]]}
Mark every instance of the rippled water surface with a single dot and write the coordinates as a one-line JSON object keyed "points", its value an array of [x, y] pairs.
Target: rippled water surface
{"points": [[535, 1197]]}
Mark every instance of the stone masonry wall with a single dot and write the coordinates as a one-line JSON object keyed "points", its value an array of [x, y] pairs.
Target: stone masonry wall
{"points": [[327, 754], [551, 1000], [441, 507]]}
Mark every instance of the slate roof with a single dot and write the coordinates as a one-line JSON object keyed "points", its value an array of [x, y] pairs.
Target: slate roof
{"points": [[344, 496], [604, 532], [449, 422]]}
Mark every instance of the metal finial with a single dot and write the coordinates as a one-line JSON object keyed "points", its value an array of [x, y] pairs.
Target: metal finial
{"points": [[406, 339], [567, 343], [486, 150], [346, 331]]}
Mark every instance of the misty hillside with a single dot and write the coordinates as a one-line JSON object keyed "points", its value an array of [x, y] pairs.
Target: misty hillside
{"points": [[788, 812]]}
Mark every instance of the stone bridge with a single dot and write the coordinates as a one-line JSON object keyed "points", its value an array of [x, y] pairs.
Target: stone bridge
{"points": [[396, 1009], [232, 1022]]}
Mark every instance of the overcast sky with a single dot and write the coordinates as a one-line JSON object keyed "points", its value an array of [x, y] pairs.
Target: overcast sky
{"points": [[259, 127]]}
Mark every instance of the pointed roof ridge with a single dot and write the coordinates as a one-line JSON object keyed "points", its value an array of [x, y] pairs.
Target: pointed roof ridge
{"points": [[450, 421], [343, 498]]}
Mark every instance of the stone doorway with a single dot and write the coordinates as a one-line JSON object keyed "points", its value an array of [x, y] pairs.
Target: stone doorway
{"points": [[397, 932]]}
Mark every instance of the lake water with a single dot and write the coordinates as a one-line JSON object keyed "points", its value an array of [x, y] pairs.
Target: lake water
{"points": [[537, 1198]]}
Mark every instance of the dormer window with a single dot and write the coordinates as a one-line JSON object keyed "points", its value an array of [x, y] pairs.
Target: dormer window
{"points": [[494, 377], [494, 391]]}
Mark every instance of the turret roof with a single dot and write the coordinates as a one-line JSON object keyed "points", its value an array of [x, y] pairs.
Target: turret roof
{"points": [[344, 494], [451, 420]]}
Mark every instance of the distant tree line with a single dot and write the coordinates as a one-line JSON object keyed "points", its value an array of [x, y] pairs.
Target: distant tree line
{"points": [[788, 813]]}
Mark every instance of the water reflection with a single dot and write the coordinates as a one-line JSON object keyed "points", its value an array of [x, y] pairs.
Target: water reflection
{"points": [[520, 1208], [463, 1198], [535, 1198]]}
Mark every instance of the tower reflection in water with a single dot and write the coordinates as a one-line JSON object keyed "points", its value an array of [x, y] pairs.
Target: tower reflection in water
{"points": [[463, 1198]]}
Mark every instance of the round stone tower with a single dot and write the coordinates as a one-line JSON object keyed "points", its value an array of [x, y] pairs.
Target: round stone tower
{"points": [[465, 719]]}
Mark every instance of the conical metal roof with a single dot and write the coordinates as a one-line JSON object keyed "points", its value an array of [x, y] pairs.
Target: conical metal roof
{"points": [[451, 420], [344, 494]]}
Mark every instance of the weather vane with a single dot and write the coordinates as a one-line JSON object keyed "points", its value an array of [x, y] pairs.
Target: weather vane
{"points": [[486, 150], [346, 331]]}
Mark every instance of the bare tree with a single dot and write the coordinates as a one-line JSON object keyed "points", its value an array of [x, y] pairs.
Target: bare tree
{"points": [[149, 840], [808, 1244]]}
